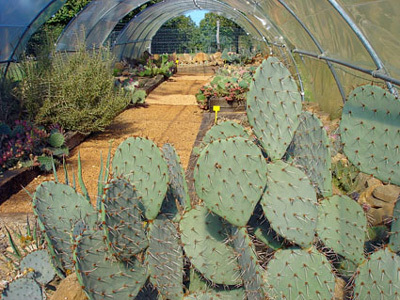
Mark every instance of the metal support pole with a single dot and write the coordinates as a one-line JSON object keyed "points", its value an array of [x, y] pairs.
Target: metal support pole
{"points": [[379, 64], [335, 76]]}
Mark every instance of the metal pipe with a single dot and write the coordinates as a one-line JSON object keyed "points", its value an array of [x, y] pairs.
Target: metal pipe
{"points": [[378, 62], [373, 73], [335, 76]]}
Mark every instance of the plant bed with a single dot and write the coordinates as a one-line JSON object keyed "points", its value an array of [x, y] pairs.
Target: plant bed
{"points": [[12, 181], [226, 106]]}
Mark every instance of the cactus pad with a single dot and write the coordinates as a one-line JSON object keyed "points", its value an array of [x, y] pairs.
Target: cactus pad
{"points": [[121, 213], [59, 207], [21, 289], [252, 274], [39, 261], [378, 277], [101, 275], [230, 177], [165, 259], [290, 203], [178, 185], [204, 237], [300, 274], [140, 161], [56, 140], [370, 131], [273, 107], [235, 294], [394, 242], [225, 130], [311, 151], [342, 226]]}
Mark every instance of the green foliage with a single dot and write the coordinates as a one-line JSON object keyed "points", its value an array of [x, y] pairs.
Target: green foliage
{"points": [[9, 102], [344, 175], [77, 91]]}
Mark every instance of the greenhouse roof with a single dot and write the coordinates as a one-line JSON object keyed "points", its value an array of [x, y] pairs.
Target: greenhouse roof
{"points": [[349, 42]]}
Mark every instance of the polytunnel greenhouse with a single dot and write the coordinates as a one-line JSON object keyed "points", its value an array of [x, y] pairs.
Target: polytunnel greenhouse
{"points": [[199, 149]]}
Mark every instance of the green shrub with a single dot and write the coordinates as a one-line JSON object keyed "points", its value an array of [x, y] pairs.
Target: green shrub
{"points": [[76, 91]]}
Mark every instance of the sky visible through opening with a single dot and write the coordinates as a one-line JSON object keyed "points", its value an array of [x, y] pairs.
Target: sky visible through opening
{"points": [[196, 15]]}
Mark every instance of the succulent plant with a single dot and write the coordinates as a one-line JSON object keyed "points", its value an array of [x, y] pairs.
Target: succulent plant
{"points": [[273, 107], [370, 131], [178, 188], [165, 259], [290, 203], [378, 277], [394, 241], [39, 262], [140, 161], [297, 274], [310, 149], [21, 289], [342, 226], [204, 237], [121, 214], [58, 208], [230, 178], [102, 275], [225, 130]]}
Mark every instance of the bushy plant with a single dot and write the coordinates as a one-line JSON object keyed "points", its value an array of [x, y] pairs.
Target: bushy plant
{"points": [[76, 91]]}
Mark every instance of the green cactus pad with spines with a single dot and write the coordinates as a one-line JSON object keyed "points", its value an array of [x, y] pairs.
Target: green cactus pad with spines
{"points": [[165, 259], [252, 274], [58, 208], [378, 277], [140, 161], [121, 213], [101, 275], [40, 262], [265, 234], [21, 289], [178, 184], [394, 240], [230, 177], [370, 132], [225, 130], [273, 107], [342, 226], [290, 203], [311, 151], [236, 294], [204, 237], [300, 274], [56, 140]]}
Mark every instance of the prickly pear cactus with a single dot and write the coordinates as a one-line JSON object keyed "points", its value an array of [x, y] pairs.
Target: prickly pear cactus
{"points": [[230, 177], [290, 203], [311, 151], [370, 132], [101, 275], [342, 226], [217, 295], [165, 259], [56, 139], [378, 277], [121, 214], [58, 208], [252, 274], [273, 107], [21, 289], [178, 184], [204, 237], [394, 242], [39, 263], [300, 274], [140, 161], [225, 130]]}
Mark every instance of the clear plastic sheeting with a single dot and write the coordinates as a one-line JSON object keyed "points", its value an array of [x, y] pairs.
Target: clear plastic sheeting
{"points": [[137, 35], [20, 19], [336, 44]]}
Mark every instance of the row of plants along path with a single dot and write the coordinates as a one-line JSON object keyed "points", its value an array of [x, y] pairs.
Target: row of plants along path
{"points": [[268, 224], [77, 92]]}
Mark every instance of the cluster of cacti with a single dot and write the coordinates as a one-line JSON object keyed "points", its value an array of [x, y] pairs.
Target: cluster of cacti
{"points": [[271, 195]]}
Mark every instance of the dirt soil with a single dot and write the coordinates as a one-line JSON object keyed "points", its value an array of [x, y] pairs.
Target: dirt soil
{"points": [[170, 117]]}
